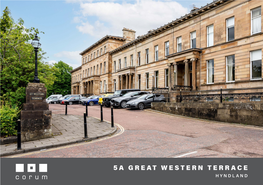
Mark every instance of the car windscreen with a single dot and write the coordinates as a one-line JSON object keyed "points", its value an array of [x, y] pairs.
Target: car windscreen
{"points": [[117, 92], [143, 96], [130, 93]]}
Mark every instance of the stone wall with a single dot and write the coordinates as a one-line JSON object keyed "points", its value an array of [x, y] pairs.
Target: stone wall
{"points": [[246, 113]]}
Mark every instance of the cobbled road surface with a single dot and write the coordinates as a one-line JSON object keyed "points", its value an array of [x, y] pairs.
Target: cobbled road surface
{"points": [[151, 133]]}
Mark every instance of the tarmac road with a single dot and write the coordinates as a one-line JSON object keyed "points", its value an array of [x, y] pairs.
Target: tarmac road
{"points": [[151, 133]]}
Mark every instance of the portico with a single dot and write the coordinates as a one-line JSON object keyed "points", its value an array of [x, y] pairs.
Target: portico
{"points": [[126, 78], [183, 69]]}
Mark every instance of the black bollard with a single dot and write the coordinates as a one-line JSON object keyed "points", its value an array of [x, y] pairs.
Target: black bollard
{"points": [[180, 96], [18, 134], [112, 122], [87, 109], [85, 126], [101, 113], [66, 110]]}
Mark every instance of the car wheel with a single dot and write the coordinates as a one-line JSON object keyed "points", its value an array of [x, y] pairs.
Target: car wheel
{"points": [[141, 106], [107, 104], [123, 104], [91, 103], [70, 103]]}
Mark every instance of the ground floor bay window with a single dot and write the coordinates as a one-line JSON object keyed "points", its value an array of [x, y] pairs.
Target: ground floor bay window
{"points": [[256, 64]]}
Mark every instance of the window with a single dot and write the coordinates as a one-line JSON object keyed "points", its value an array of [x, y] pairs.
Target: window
{"points": [[156, 53], [104, 49], [125, 61], [88, 73], [114, 66], [105, 86], [210, 35], [166, 48], [97, 69], [119, 63], [147, 80], [230, 29], [100, 86], [83, 60], [104, 67], [210, 71], [85, 72], [94, 54], [100, 68], [90, 56], [156, 76], [179, 44], [166, 77], [100, 51], [97, 53], [94, 71], [114, 83], [256, 20], [256, 64], [230, 68], [91, 71], [147, 56], [131, 60], [86, 60], [139, 58], [139, 81], [193, 39]]}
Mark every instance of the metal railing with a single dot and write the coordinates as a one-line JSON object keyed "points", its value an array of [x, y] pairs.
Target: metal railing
{"points": [[182, 87]]}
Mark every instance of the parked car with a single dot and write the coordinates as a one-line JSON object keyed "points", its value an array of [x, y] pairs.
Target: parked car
{"points": [[118, 93], [71, 95], [122, 100], [83, 101], [63, 98], [71, 100], [93, 101], [53, 96], [145, 101], [53, 101]]}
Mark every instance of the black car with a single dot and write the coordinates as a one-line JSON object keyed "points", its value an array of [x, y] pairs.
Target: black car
{"points": [[118, 93], [145, 101], [71, 100], [122, 100]]}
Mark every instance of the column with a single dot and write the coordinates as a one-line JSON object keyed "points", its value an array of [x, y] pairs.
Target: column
{"points": [[175, 73], [130, 81], [186, 68], [194, 60], [121, 82], [126, 85]]}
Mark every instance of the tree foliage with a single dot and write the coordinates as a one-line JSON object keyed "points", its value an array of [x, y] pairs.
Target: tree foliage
{"points": [[18, 60], [62, 84]]}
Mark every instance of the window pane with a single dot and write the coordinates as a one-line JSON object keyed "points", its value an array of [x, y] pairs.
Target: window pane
{"points": [[210, 39], [256, 25], [193, 35], [256, 69], [194, 43], [230, 22], [256, 55], [230, 68], [256, 12], [231, 33]]}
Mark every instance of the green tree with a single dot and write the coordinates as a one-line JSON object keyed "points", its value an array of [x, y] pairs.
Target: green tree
{"points": [[18, 60], [62, 84]]}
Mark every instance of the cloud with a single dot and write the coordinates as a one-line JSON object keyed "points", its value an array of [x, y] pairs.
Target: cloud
{"points": [[141, 16], [72, 58]]}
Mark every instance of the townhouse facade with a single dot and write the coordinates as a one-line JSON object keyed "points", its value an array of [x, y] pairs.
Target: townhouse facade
{"points": [[215, 46]]}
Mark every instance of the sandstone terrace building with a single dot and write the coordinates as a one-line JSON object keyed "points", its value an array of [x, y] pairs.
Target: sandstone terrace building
{"points": [[215, 46]]}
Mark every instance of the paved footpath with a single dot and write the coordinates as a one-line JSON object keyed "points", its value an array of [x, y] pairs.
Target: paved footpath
{"points": [[150, 133], [67, 129]]}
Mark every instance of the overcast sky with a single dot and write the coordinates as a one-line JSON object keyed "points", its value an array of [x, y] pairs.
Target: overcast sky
{"points": [[71, 26]]}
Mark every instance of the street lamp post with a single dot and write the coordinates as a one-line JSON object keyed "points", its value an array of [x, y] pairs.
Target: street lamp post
{"points": [[36, 44]]}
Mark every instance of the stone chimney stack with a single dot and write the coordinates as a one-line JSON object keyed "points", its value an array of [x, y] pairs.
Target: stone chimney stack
{"points": [[128, 34]]}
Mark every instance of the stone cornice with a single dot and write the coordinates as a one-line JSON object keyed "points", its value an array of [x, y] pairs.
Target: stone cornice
{"points": [[76, 69], [102, 40], [192, 14]]}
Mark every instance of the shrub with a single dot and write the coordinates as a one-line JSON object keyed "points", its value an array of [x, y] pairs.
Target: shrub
{"points": [[9, 115]]}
